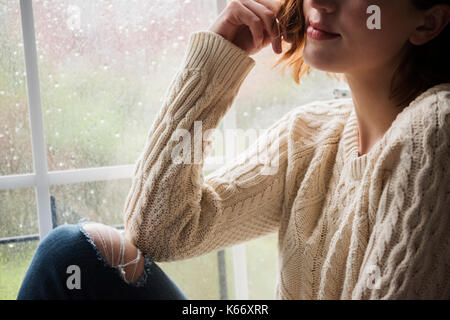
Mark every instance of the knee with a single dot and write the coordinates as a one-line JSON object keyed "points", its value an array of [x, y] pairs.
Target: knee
{"points": [[62, 245], [61, 237], [117, 251]]}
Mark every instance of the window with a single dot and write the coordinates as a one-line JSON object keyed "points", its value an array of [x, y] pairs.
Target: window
{"points": [[69, 142]]}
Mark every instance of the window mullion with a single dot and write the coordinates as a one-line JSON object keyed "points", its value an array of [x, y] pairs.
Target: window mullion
{"points": [[18, 181], [36, 120], [239, 251], [221, 4]]}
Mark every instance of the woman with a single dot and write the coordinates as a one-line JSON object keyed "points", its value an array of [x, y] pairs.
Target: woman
{"points": [[358, 189]]}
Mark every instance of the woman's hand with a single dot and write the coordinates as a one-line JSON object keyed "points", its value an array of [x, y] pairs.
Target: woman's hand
{"points": [[250, 24]]}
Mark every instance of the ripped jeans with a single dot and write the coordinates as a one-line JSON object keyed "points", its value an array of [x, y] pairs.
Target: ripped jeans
{"points": [[67, 265]]}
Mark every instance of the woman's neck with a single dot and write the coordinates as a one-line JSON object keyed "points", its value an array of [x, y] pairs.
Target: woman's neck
{"points": [[374, 110]]}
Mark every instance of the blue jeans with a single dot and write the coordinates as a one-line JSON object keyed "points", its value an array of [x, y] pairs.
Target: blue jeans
{"points": [[52, 275]]}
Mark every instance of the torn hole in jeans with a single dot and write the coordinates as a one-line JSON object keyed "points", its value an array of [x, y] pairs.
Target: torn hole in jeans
{"points": [[143, 278]]}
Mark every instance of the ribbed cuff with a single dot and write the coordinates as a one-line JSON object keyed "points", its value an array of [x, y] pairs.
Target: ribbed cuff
{"points": [[225, 61]]}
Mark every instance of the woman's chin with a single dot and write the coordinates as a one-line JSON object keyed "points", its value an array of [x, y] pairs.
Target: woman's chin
{"points": [[323, 66], [321, 63]]}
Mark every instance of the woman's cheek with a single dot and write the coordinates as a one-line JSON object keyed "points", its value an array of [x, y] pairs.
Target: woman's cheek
{"points": [[354, 22], [364, 39]]}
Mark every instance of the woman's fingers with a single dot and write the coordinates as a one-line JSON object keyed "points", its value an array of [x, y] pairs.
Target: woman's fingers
{"points": [[276, 43], [254, 23], [266, 14], [267, 10], [250, 24], [274, 6]]}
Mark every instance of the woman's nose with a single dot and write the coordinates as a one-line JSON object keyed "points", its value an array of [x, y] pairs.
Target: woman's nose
{"points": [[324, 5]]}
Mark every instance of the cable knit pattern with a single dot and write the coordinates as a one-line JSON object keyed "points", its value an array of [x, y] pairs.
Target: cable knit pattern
{"points": [[349, 227]]}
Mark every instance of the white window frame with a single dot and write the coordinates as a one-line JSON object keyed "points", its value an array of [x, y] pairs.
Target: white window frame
{"points": [[42, 179]]}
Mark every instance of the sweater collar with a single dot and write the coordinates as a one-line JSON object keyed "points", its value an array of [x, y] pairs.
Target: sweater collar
{"points": [[350, 137], [350, 141]]}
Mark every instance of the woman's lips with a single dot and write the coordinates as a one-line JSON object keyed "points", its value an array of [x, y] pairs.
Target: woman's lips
{"points": [[317, 34]]}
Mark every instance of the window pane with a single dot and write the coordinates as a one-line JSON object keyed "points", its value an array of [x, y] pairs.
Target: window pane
{"points": [[101, 201], [198, 277], [104, 68], [18, 213], [15, 139], [262, 267], [266, 95], [17, 218], [14, 261]]}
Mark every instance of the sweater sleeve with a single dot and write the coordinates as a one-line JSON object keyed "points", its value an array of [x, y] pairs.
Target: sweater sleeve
{"points": [[172, 212], [408, 254]]}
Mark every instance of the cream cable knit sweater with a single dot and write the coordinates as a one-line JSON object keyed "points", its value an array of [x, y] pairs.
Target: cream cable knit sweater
{"points": [[369, 227]]}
